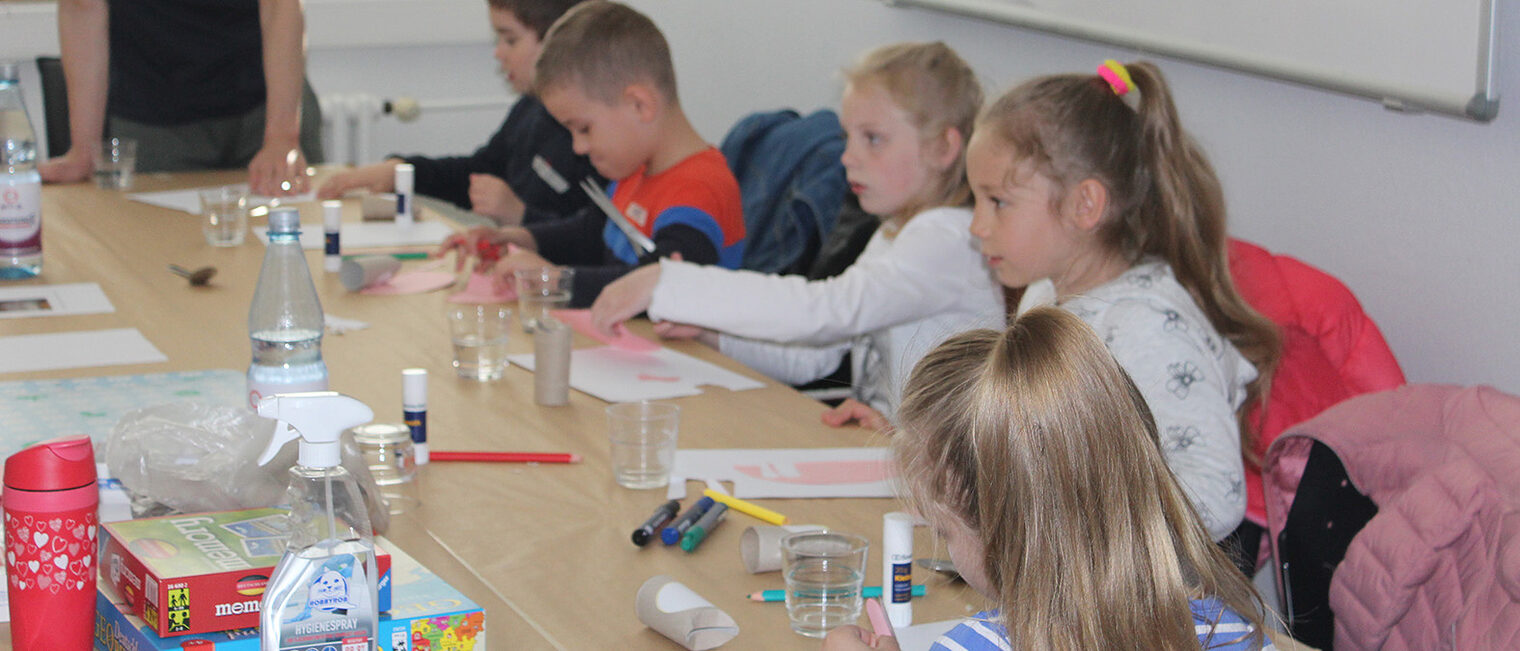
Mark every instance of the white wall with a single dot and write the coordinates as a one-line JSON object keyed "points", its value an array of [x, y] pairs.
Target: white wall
{"points": [[1418, 214]]}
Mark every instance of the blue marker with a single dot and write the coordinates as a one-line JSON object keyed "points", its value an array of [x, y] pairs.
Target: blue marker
{"points": [[671, 534]]}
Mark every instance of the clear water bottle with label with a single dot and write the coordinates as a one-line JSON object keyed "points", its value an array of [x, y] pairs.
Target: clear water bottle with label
{"points": [[285, 320], [20, 186]]}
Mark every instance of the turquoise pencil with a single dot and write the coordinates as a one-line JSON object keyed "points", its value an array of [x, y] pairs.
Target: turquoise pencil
{"points": [[866, 593]]}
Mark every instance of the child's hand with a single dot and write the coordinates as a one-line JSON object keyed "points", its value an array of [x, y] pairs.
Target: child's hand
{"points": [[852, 410], [518, 258], [852, 638], [380, 177], [625, 298], [492, 197], [673, 330], [487, 244]]}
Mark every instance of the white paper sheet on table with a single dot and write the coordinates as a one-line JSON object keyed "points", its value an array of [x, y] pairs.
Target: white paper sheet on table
{"points": [[789, 472], [57, 350], [53, 300], [624, 376], [189, 199], [371, 235]]}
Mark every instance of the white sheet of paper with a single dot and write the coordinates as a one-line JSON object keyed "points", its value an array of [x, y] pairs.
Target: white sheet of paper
{"points": [[57, 350], [189, 199], [623, 376], [919, 637], [53, 300], [789, 472], [370, 235]]}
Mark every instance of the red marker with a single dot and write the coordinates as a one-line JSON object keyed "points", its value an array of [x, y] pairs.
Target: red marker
{"points": [[506, 457]]}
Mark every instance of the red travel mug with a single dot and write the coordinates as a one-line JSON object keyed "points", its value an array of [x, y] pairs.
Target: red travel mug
{"points": [[50, 544]]}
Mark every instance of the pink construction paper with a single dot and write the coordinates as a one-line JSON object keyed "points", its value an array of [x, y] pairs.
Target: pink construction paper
{"points": [[482, 289], [410, 282], [580, 320]]}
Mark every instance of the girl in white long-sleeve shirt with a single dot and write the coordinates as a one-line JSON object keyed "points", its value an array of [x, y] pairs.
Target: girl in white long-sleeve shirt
{"points": [[907, 111]]}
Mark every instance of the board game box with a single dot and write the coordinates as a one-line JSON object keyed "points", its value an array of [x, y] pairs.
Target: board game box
{"points": [[427, 614], [202, 572]]}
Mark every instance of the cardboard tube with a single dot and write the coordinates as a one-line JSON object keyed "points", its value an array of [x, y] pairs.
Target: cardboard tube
{"points": [[366, 270], [675, 611], [760, 545], [551, 363]]}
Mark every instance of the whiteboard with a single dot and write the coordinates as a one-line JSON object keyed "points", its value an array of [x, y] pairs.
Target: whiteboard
{"points": [[1435, 55]]}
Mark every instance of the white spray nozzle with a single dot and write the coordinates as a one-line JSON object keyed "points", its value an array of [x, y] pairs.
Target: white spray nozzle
{"points": [[318, 419]]}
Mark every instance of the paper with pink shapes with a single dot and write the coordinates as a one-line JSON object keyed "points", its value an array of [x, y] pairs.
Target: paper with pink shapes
{"points": [[580, 320], [790, 472], [410, 282], [482, 289], [626, 376]]}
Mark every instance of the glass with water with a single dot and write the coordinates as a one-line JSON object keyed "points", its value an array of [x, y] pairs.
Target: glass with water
{"points": [[479, 335], [824, 572], [541, 290]]}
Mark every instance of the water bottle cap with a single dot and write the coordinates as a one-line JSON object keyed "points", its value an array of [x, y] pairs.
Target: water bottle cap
{"points": [[59, 464], [284, 220]]}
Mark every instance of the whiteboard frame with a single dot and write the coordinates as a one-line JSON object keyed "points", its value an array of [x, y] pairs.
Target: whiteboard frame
{"points": [[1481, 106]]}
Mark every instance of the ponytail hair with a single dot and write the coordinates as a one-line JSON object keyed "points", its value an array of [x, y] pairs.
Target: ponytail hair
{"points": [[1164, 199], [1014, 434]]}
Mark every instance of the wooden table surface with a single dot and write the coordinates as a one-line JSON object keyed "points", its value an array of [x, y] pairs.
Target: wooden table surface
{"points": [[543, 548]]}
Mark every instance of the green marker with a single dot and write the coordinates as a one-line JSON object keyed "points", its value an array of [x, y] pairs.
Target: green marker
{"points": [[706, 524]]}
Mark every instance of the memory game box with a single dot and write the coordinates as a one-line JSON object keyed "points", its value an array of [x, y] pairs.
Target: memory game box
{"points": [[201, 572]]}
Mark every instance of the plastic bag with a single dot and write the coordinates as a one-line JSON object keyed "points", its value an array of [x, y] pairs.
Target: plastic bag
{"points": [[189, 457]]}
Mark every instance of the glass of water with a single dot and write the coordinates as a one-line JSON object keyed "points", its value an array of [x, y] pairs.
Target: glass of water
{"points": [[540, 290], [114, 163], [479, 333], [224, 215], [824, 572], [643, 439]]}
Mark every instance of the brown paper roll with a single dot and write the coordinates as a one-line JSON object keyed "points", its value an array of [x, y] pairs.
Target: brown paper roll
{"points": [[675, 611], [363, 271], [760, 545]]}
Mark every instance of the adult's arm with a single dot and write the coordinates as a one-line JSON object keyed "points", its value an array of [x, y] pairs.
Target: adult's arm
{"points": [[84, 40], [279, 167]]}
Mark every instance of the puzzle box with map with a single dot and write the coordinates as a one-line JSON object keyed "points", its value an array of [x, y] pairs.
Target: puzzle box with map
{"points": [[201, 572]]}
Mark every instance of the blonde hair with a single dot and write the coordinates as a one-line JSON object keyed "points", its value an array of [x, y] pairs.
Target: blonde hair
{"points": [[1038, 441], [1164, 199], [602, 48], [939, 92]]}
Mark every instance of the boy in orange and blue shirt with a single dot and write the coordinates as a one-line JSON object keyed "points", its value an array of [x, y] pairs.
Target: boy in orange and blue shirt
{"points": [[605, 73]]}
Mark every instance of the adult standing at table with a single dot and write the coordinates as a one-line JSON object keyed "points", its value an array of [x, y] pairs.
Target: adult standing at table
{"points": [[200, 84]]}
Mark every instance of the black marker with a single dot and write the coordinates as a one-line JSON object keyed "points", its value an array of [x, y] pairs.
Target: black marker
{"points": [[661, 515], [672, 532]]}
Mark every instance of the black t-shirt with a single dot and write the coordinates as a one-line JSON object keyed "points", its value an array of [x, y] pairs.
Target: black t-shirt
{"points": [[178, 61]]}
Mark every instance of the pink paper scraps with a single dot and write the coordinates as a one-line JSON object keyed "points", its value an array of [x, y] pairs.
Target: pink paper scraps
{"points": [[410, 282], [482, 289], [580, 320]]}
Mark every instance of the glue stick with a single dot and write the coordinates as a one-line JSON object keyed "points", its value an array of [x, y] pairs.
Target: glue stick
{"points": [[332, 253], [405, 175], [414, 409], [897, 567]]}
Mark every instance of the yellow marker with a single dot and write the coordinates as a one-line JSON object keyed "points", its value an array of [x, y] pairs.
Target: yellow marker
{"points": [[746, 508]]}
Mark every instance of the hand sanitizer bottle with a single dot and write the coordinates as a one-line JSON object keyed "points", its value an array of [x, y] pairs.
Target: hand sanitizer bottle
{"points": [[323, 594]]}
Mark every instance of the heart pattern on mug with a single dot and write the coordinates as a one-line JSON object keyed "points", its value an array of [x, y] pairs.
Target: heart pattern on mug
{"points": [[50, 554]]}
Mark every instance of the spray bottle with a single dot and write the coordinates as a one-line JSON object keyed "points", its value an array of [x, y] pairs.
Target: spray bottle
{"points": [[323, 594]]}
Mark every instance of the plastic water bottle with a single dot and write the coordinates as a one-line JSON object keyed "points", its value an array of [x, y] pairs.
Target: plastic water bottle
{"points": [[285, 320], [20, 186]]}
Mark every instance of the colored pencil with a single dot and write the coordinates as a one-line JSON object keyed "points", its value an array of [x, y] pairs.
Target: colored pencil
{"points": [[508, 457], [868, 592]]}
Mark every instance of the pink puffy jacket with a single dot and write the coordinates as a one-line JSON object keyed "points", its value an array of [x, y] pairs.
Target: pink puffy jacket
{"points": [[1438, 567]]}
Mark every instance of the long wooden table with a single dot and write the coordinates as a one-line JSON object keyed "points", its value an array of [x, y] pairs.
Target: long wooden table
{"points": [[544, 548]]}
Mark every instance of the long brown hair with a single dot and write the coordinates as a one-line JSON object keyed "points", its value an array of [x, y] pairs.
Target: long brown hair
{"points": [[939, 91], [1164, 198], [1037, 440]]}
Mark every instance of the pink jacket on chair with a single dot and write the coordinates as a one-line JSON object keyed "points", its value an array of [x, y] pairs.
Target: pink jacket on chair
{"points": [[1438, 567], [1331, 349]]}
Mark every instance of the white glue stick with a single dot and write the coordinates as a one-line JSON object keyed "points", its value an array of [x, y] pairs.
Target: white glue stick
{"points": [[332, 221], [405, 176], [897, 567], [414, 409]]}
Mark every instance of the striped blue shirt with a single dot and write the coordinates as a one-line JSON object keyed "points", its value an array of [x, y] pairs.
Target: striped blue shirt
{"points": [[1218, 628]]}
